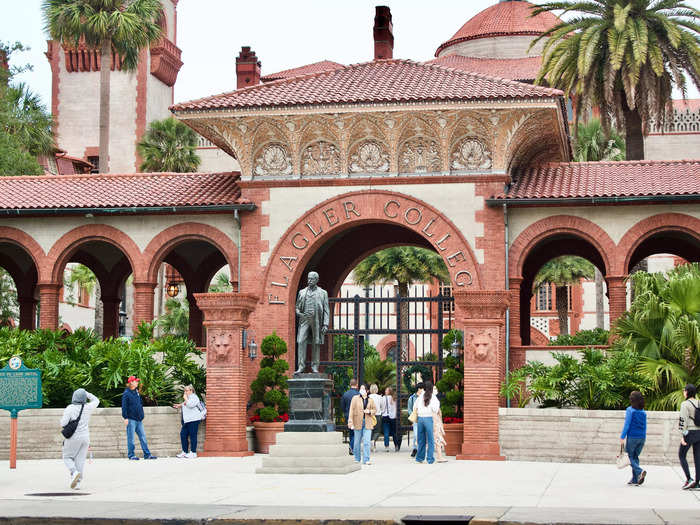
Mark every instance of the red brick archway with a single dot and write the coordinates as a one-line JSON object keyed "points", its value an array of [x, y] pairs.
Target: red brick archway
{"points": [[664, 223]]}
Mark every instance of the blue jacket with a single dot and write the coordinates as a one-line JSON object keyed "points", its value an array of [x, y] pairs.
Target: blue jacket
{"points": [[346, 400], [132, 408], [635, 424]]}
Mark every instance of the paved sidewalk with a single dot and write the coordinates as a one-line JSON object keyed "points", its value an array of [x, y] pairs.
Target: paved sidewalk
{"points": [[394, 486]]}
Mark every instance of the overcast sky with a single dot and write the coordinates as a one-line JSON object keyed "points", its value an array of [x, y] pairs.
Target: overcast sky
{"points": [[283, 33]]}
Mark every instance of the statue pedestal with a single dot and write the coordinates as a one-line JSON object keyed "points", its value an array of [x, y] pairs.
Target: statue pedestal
{"points": [[310, 403]]}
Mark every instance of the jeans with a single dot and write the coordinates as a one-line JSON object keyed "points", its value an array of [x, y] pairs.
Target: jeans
{"points": [[362, 439], [389, 428], [693, 440], [415, 436], [425, 439], [136, 426], [189, 430], [634, 448]]}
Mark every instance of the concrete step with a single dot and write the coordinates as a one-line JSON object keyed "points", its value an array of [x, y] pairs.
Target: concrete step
{"points": [[313, 450], [315, 462], [347, 469], [309, 438]]}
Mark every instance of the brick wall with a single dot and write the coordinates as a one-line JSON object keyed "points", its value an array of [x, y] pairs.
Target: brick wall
{"points": [[39, 434]]}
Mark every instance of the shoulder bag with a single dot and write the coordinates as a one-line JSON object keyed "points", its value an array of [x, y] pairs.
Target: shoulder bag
{"points": [[72, 425], [622, 460]]}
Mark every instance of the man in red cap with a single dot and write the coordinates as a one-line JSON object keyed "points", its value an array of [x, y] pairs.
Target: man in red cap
{"points": [[132, 412]]}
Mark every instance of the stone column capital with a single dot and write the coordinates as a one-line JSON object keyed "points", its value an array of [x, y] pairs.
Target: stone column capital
{"points": [[616, 280], [144, 286], [514, 282], [474, 305], [226, 310]]}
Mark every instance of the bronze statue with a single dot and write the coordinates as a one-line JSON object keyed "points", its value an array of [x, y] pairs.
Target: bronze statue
{"points": [[313, 312]]}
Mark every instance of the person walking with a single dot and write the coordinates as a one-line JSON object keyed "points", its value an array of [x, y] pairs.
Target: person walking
{"points": [[345, 401], [379, 403], [389, 420], [362, 421], [439, 433], [689, 425], [411, 402], [635, 430], [132, 412], [75, 448], [190, 417], [427, 405]]}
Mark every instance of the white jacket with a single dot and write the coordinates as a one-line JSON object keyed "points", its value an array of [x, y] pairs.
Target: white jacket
{"points": [[72, 411], [190, 412]]}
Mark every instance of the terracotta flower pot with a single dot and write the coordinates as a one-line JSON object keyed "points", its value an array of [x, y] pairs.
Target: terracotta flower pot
{"points": [[266, 435], [454, 433]]}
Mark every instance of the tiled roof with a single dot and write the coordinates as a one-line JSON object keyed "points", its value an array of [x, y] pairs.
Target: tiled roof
{"points": [[510, 68], [119, 191], [503, 18], [316, 67], [377, 81], [588, 180]]}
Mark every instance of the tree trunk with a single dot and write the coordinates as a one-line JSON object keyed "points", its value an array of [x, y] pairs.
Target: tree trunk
{"points": [[99, 309], [599, 304], [562, 299], [634, 133], [403, 292], [105, 67]]}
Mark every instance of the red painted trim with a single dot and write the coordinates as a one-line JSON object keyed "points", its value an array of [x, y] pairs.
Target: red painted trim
{"points": [[364, 181], [141, 103], [52, 54]]}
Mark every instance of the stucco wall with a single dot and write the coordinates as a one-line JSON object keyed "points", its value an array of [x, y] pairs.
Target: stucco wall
{"points": [[496, 47], [672, 146], [458, 202], [215, 160], [159, 97]]}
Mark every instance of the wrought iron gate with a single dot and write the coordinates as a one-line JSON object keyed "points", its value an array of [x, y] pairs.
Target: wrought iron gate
{"points": [[355, 320]]}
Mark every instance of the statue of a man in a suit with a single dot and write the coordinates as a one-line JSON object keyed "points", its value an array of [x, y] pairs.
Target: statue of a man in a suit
{"points": [[313, 312]]}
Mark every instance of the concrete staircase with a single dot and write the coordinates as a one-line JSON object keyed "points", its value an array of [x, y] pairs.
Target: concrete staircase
{"points": [[308, 453]]}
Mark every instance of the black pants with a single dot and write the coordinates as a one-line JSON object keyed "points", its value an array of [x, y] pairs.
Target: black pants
{"points": [[692, 440], [189, 430]]}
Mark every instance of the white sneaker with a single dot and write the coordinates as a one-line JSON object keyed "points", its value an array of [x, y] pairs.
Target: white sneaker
{"points": [[192, 455], [77, 487], [74, 479], [182, 455]]}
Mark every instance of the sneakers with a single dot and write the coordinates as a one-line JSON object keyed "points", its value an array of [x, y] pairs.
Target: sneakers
{"points": [[632, 482], [367, 463], [386, 449], [397, 448], [151, 457], [690, 484], [413, 453], [134, 458], [642, 476], [182, 455], [192, 455], [351, 452], [74, 479]]}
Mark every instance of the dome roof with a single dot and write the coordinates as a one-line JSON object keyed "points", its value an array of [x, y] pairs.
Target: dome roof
{"points": [[509, 17]]}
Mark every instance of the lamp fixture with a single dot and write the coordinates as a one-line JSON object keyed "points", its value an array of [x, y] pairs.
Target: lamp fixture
{"points": [[173, 289], [252, 348]]}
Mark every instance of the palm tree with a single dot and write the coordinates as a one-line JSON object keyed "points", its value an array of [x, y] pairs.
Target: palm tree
{"points": [[663, 326], [116, 27], [593, 144], [169, 145], [176, 320], [85, 279], [562, 272], [220, 283], [28, 120], [624, 57], [405, 265]]}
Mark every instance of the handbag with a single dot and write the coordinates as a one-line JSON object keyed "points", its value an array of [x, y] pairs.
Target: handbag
{"points": [[623, 460], [69, 429], [413, 418]]}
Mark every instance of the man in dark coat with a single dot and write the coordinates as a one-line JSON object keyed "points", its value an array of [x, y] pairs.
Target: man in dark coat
{"points": [[313, 313], [132, 412]]}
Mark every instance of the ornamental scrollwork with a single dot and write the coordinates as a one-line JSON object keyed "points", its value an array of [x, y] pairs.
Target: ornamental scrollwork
{"points": [[419, 155], [273, 159], [369, 157], [470, 154], [320, 158]]}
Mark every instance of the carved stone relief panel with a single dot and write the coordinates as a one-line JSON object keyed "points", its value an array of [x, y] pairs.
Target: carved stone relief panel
{"points": [[470, 154], [369, 156], [419, 155], [220, 348], [273, 159], [320, 158], [482, 347]]}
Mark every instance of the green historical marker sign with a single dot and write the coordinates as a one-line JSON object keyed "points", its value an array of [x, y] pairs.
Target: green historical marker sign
{"points": [[20, 387]]}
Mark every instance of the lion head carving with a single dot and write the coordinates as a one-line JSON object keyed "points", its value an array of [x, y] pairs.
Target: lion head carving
{"points": [[220, 346], [483, 346]]}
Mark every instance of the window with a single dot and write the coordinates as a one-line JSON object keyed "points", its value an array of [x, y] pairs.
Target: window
{"points": [[544, 298], [95, 161], [446, 291], [83, 296]]}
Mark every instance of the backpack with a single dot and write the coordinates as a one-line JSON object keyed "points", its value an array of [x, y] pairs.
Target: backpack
{"points": [[203, 409], [696, 416], [69, 429]]}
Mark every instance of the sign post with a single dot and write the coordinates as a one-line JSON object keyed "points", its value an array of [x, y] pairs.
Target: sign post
{"points": [[20, 388]]}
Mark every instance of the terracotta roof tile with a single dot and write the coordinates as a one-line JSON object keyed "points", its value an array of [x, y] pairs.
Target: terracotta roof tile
{"points": [[316, 67], [510, 68], [585, 180], [503, 18], [377, 81], [119, 191]]}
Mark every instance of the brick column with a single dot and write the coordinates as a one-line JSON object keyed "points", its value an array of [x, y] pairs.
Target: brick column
{"points": [[48, 310], [27, 313], [481, 314], [617, 297], [143, 302], [110, 318], [196, 328], [225, 316], [515, 283]]}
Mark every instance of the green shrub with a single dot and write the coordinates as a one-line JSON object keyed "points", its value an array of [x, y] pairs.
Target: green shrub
{"points": [[269, 387], [597, 336], [451, 385]]}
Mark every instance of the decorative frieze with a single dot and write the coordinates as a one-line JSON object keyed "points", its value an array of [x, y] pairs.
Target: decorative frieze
{"points": [[420, 155], [320, 158], [470, 154], [370, 156], [273, 159]]}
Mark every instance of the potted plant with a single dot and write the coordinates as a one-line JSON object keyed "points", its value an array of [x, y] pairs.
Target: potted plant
{"points": [[451, 386], [269, 390]]}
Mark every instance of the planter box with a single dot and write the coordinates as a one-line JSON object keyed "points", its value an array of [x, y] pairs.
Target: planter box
{"points": [[454, 433], [266, 435]]}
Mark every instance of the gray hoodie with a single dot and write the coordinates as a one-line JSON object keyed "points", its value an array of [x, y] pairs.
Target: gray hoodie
{"points": [[81, 398]]}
